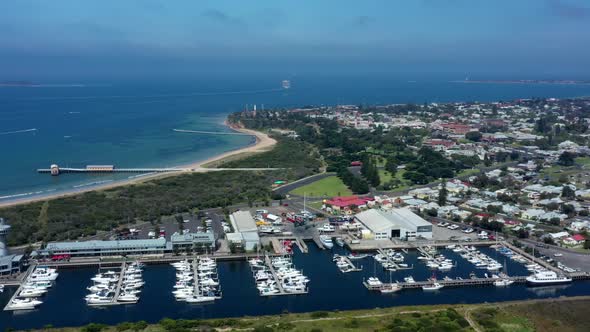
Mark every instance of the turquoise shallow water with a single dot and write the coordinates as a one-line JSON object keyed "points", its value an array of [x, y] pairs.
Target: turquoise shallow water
{"points": [[129, 124]]}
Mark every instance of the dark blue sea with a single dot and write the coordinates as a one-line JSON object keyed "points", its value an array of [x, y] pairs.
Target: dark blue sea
{"points": [[129, 124], [329, 289]]}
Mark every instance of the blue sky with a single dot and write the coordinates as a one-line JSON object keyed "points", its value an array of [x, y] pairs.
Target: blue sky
{"points": [[509, 37]]}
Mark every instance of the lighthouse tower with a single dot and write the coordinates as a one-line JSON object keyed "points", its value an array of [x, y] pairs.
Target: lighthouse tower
{"points": [[4, 229]]}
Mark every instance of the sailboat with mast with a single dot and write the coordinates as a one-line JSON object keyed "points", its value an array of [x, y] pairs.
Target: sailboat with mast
{"points": [[391, 287], [505, 281]]}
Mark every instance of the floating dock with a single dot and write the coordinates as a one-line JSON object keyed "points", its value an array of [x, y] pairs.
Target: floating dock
{"points": [[316, 239], [114, 301], [446, 283], [282, 291], [119, 283], [392, 262], [8, 306], [351, 266]]}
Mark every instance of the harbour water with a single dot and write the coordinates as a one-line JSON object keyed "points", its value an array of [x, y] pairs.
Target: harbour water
{"points": [[329, 289], [129, 124]]}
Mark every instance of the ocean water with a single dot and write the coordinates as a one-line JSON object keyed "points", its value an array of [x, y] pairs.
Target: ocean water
{"points": [[129, 124], [329, 289]]}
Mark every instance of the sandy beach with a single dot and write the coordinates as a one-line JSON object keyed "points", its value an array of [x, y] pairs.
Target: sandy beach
{"points": [[263, 143]]}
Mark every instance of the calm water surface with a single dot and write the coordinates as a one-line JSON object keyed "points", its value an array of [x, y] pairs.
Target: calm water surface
{"points": [[129, 124], [329, 289]]}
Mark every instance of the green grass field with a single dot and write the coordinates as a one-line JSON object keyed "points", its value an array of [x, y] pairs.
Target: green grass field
{"points": [[385, 176], [563, 315], [330, 186], [467, 172]]}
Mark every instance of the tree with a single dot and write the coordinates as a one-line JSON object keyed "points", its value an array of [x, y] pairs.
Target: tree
{"points": [[474, 136], [391, 165], [487, 161], [568, 192], [442, 194], [568, 209], [566, 159]]}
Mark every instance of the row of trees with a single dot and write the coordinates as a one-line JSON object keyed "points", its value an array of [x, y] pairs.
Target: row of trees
{"points": [[369, 171]]}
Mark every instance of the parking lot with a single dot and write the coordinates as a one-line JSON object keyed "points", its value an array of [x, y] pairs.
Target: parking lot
{"points": [[445, 234], [169, 225]]}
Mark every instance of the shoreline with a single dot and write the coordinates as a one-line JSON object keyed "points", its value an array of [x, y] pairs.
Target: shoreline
{"points": [[262, 143]]}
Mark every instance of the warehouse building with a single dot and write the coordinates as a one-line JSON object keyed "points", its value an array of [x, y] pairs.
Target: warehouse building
{"points": [[394, 224], [178, 242], [106, 248], [244, 224], [195, 242]]}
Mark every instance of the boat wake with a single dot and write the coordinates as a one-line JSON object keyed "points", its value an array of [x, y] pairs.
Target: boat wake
{"points": [[18, 131]]}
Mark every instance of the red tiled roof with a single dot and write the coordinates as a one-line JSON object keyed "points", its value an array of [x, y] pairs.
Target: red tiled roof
{"points": [[346, 201], [578, 237]]}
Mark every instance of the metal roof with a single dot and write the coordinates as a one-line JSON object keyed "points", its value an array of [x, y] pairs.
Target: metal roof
{"points": [[375, 220], [242, 221], [191, 237], [380, 221], [407, 218], [105, 245]]}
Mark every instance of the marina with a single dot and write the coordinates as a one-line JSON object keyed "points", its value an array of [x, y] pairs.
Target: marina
{"points": [[37, 281], [324, 293]]}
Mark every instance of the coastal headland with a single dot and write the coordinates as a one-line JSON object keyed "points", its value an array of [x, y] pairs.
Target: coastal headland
{"points": [[263, 143]]}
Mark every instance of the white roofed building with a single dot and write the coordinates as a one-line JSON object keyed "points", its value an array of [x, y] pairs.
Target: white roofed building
{"points": [[396, 223]]}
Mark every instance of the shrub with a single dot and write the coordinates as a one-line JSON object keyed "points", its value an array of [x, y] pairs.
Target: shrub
{"points": [[319, 314]]}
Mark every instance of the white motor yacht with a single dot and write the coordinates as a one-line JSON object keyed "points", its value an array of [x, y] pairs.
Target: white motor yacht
{"points": [[409, 280], [128, 298], [434, 287], [374, 282], [30, 292], [503, 282], [326, 241], [544, 278], [24, 304], [199, 299], [391, 288]]}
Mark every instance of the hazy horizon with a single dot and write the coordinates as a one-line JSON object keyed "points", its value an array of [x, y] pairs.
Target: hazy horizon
{"points": [[450, 39]]}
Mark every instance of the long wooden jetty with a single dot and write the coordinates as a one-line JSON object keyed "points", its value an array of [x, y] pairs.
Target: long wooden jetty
{"points": [[113, 170], [119, 283], [446, 283], [531, 258], [268, 263]]}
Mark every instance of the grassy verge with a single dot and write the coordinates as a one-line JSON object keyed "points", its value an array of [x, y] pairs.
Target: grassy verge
{"points": [[552, 315], [563, 314], [329, 186]]}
